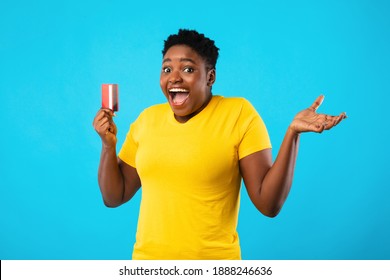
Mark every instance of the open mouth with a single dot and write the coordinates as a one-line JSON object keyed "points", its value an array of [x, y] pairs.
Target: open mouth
{"points": [[178, 96]]}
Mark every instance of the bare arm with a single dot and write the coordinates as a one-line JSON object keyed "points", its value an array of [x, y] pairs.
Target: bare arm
{"points": [[269, 184], [118, 181]]}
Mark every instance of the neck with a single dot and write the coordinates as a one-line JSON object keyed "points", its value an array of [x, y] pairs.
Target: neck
{"points": [[184, 119]]}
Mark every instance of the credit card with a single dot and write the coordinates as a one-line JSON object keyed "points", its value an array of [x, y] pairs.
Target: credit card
{"points": [[110, 97]]}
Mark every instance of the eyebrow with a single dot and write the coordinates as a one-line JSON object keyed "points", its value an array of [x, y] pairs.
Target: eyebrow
{"points": [[181, 60]]}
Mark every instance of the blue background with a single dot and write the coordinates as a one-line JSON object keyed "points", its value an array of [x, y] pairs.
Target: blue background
{"points": [[54, 56]]}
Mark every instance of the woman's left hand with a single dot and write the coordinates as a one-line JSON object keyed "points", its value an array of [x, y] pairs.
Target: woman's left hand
{"points": [[309, 120]]}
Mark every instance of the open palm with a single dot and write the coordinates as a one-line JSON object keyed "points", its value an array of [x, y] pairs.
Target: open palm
{"points": [[309, 120]]}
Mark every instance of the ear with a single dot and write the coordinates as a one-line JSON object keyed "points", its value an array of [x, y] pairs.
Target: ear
{"points": [[211, 76]]}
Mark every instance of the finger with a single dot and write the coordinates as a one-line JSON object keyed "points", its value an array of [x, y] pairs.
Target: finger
{"points": [[98, 123], [335, 120], [340, 118], [105, 121], [327, 125], [105, 126], [106, 116], [106, 112], [109, 111], [103, 129], [99, 115], [317, 103], [109, 129], [322, 127], [325, 120], [113, 128], [331, 121], [316, 127]]}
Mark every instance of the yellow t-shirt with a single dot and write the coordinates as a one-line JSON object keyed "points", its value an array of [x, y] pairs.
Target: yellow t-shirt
{"points": [[190, 178]]}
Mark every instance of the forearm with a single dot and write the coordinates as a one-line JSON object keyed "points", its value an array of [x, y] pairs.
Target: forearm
{"points": [[278, 180], [269, 184], [110, 178]]}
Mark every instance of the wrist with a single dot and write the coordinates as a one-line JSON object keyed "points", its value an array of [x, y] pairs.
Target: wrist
{"points": [[109, 147], [291, 130]]}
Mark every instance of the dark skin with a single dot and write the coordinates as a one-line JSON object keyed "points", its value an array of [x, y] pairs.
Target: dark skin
{"points": [[268, 183]]}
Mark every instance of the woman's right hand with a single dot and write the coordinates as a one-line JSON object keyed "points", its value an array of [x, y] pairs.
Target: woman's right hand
{"points": [[104, 125]]}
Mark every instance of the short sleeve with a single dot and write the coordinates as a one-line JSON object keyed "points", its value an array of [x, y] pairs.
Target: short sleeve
{"points": [[253, 132], [129, 147]]}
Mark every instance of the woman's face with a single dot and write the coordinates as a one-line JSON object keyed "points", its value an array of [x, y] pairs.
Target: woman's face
{"points": [[185, 81]]}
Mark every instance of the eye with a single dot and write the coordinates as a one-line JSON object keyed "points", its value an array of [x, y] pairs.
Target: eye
{"points": [[166, 69], [188, 69]]}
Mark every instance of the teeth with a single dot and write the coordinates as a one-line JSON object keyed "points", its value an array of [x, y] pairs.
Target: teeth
{"points": [[174, 90]]}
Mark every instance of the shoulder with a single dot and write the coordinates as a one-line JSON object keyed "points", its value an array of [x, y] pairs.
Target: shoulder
{"points": [[238, 104], [153, 112], [232, 101], [155, 109]]}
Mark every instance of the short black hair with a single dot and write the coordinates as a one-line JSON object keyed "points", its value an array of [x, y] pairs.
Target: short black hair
{"points": [[202, 45]]}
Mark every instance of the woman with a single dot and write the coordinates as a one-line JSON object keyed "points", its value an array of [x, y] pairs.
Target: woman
{"points": [[190, 155]]}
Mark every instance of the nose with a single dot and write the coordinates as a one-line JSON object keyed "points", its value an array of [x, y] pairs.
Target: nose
{"points": [[175, 77]]}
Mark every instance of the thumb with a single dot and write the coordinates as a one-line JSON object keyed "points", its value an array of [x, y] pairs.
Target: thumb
{"points": [[317, 103]]}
